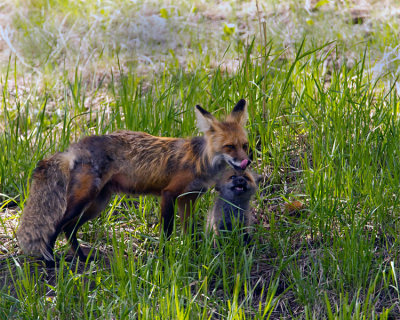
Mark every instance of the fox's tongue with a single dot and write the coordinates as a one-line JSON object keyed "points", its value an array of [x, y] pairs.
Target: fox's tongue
{"points": [[244, 164]]}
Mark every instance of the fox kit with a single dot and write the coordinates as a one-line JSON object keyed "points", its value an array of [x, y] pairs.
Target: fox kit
{"points": [[74, 186], [232, 206]]}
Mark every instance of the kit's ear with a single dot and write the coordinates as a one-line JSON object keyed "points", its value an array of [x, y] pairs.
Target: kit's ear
{"points": [[258, 178]]}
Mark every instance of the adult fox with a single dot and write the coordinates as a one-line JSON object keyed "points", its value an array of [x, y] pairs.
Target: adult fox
{"points": [[73, 187]]}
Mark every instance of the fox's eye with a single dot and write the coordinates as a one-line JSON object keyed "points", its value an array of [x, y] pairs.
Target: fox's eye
{"points": [[232, 177], [230, 146], [245, 146]]}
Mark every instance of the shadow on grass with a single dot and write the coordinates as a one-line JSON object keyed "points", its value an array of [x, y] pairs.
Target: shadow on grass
{"points": [[19, 271]]}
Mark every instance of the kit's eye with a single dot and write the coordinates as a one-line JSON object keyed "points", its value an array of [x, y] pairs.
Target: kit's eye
{"points": [[246, 178], [245, 146], [232, 177]]}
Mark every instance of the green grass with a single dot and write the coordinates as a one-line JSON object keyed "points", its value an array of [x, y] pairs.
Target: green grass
{"points": [[324, 128]]}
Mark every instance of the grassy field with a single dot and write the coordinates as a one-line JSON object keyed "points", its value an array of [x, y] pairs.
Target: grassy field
{"points": [[320, 78]]}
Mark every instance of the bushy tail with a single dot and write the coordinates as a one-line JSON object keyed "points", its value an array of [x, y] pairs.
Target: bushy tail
{"points": [[46, 205]]}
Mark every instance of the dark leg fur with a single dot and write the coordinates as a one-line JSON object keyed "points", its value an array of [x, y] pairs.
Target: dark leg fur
{"points": [[70, 231], [73, 212], [71, 228], [185, 207], [74, 208], [168, 197], [168, 212]]}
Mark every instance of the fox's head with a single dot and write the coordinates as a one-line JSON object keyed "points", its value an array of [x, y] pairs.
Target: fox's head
{"points": [[226, 140]]}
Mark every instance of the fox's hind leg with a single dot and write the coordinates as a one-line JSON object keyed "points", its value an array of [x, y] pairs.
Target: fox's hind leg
{"points": [[95, 208], [82, 190]]}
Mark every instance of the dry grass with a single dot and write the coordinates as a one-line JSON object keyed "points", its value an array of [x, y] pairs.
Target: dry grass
{"points": [[151, 36]]}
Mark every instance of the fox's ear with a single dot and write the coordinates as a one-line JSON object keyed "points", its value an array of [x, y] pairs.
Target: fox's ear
{"points": [[259, 178], [239, 113], [205, 119]]}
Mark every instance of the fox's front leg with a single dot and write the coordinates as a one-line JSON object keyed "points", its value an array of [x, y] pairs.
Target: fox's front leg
{"points": [[186, 204], [168, 198]]}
